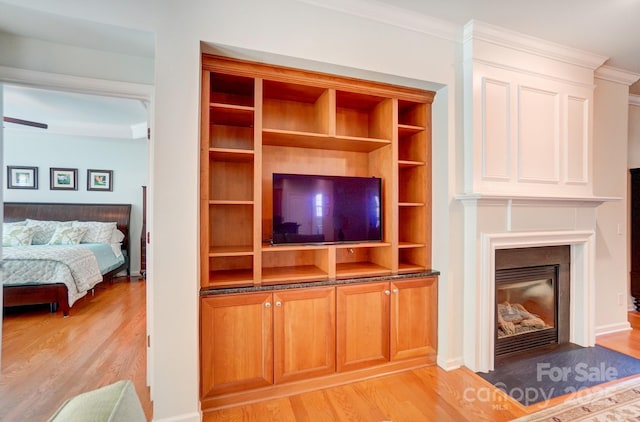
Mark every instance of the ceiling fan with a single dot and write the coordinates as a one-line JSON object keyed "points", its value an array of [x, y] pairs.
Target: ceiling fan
{"points": [[25, 122]]}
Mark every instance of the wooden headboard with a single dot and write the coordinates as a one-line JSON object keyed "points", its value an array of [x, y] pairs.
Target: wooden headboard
{"points": [[120, 213]]}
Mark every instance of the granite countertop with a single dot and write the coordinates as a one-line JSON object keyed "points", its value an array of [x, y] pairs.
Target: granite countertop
{"points": [[252, 289]]}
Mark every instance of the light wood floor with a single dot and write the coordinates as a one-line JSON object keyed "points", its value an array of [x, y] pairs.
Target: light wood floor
{"points": [[47, 359]]}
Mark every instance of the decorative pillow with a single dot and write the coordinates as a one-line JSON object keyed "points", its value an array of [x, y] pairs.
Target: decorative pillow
{"points": [[45, 229], [67, 235], [96, 232], [117, 236], [15, 235]]}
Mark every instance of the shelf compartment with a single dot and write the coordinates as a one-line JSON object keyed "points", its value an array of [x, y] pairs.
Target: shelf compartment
{"points": [[363, 116], [231, 271], [232, 89], [294, 107], [231, 137], [285, 138], [363, 260], [413, 225], [235, 250], [411, 184], [288, 264], [229, 154], [411, 260], [231, 115], [231, 180], [230, 225], [412, 115], [412, 147], [408, 130]]}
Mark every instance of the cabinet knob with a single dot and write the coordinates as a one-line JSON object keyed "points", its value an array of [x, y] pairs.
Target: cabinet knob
{"points": [[387, 292], [278, 303], [267, 305], [395, 291]]}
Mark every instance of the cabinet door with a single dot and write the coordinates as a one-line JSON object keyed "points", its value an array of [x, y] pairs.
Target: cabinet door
{"points": [[414, 318], [236, 343], [362, 325], [304, 333]]}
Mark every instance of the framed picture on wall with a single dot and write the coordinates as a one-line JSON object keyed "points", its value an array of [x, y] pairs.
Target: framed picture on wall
{"points": [[63, 179], [100, 180], [21, 177]]}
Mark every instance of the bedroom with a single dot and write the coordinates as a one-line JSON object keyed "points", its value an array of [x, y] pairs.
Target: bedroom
{"points": [[83, 133]]}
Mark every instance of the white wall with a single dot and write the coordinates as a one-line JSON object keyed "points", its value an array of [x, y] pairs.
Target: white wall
{"points": [[127, 159], [610, 128]]}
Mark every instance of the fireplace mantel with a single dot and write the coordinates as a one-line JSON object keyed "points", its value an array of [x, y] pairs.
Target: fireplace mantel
{"points": [[550, 200]]}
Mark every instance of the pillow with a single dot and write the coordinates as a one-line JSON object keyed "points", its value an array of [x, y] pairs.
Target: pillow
{"points": [[45, 229], [15, 235], [96, 232], [117, 236], [67, 235]]}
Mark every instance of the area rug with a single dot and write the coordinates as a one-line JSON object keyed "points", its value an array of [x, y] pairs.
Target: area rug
{"points": [[618, 402], [568, 369]]}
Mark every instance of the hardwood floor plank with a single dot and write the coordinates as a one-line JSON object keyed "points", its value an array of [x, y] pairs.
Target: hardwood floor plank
{"points": [[47, 359]]}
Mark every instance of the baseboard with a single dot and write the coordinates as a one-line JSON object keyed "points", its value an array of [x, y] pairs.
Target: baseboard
{"points": [[450, 364], [189, 417], [613, 328]]}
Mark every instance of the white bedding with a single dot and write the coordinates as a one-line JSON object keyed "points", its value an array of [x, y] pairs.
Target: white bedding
{"points": [[75, 266]]}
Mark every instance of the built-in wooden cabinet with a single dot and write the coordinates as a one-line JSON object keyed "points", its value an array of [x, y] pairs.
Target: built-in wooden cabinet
{"points": [[383, 321], [257, 120], [259, 339]]}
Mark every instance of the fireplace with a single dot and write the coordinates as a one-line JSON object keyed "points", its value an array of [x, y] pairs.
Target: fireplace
{"points": [[532, 298]]}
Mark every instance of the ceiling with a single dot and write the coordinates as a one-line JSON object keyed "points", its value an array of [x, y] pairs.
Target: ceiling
{"points": [[609, 28], [76, 114]]}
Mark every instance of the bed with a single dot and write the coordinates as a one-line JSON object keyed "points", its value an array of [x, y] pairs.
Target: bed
{"points": [[58, 294]]}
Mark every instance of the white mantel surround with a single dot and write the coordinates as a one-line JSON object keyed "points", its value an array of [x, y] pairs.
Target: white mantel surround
{"points": [[502, 222]]}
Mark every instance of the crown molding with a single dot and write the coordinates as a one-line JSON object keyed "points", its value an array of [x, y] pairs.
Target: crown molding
{"points": [[477, 30], [392, 15], [634, 100], [614, 74]]}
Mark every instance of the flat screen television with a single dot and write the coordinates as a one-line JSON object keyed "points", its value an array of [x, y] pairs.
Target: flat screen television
{"points": [[310, 209]]}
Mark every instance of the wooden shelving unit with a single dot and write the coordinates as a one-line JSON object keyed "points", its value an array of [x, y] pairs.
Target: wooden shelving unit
{"points": [[258, 120]]}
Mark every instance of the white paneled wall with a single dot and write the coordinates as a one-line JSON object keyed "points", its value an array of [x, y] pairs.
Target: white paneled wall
{"points": [[531, 132]]}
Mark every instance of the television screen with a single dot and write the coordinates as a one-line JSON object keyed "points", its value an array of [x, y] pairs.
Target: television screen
{"points": [[326, 209]]}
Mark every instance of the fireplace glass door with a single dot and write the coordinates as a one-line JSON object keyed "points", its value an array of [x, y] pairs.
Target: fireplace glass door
{"points": [[526, 308]]}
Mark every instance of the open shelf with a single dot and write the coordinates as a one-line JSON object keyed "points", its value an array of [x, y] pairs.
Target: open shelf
{"points": [[363, 260], [233, 250], [360, 269], [310, 140], [231, 115], [363, 116], [232, 89], [294, 263], [231, 180], [293, 274], [295, 107], [231, 278], [411, 259], [233, 138]]}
